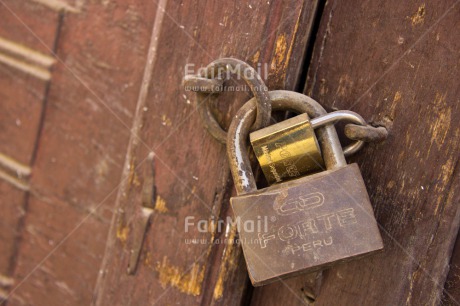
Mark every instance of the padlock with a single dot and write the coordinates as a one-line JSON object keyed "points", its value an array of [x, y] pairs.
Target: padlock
{"points": [[287, 150], [302, 225]]}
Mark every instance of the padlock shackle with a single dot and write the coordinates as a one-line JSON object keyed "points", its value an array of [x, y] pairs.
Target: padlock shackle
{"points": [[238, 133], [333, 117]]}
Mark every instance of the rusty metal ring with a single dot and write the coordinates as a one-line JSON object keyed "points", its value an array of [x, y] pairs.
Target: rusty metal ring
{"points": [[243, 70], [365, 133], [358, 130], [198, 84], [341, 115]]}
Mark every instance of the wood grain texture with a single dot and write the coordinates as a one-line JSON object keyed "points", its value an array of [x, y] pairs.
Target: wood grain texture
{"points": [[22, 98], [29, 24], [451, 294], [90, 105], [192, 176], [26, 45], [11, 203], [58, 256], [25, 64], [396, 63]]}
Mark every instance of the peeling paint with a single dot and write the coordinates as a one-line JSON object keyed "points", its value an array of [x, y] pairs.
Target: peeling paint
{"points": [[396, 100], [397, 97], [440, 126], [412, 277], [122, 233], [228, 263], [255, 57], [391, 184], [148, 261], [102, 169], [160, 205], [65, 288], [323, 90], [165, 120], [122, 230], [189, 281], [280, 53], [133, 179], [345, 85], [445, 175], [283, 52], [419, 16], [192, 193]]}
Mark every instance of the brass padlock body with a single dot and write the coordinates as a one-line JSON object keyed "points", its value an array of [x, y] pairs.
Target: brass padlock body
{"points": [[287, 150], [307, 224]]}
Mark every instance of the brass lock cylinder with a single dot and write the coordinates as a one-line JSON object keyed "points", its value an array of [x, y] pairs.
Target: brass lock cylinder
{"points": [[288, 149]]}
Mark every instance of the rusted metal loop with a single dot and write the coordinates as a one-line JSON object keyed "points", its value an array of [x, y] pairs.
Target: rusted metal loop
{"points": [[281, 100], [249, 75], [359, 130], [336, 116], [366, 133], [199, 84]]}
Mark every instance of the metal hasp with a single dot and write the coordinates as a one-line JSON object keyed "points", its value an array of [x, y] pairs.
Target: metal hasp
{"points": [[209, 82], [306, 224], [145, 212]]}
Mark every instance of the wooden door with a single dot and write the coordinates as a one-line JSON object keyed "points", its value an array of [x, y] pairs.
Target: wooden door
{"points": [[89, 89], [69, 76]]}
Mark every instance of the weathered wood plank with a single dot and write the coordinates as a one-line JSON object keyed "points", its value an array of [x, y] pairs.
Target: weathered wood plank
{"points": [[25, 65], [451, 295], [90, 105], [29, 24], [59, 255], [11, 202], [396, 63], [26, 43], [22, 98], [192, 176]]}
